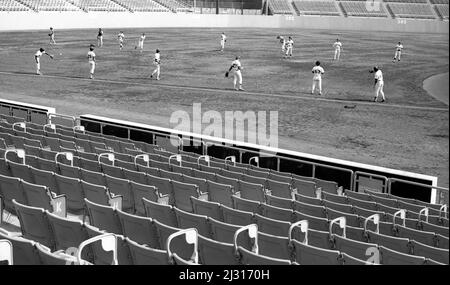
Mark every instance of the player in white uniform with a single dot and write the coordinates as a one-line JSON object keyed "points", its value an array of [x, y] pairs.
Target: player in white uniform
{"points": [[398, 51], [337, 49], [100, 38], [37, 57], [283, 43], [379, 84], [52, 36], [91, 58], [317, 78], [141, 42], [237, 76], [121, 37], [156, 62], [223, 40], [289, 46]]}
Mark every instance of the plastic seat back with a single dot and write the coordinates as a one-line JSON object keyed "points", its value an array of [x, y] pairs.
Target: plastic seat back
{"points": [[139, 229]]}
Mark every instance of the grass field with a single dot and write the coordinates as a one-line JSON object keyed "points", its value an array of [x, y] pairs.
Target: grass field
{"points": [[409, 132]]}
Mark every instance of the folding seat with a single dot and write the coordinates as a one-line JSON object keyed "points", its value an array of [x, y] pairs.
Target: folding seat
{"points": [[148, 170], [442, 241], [316, 211], [182, 193], [316, 238], [280, 178], [67, 144], [310, 255], [341, 199], [315, 223], [20, 170], [160, 212], [274, 246], [17, 141], [140, 191], [385, 201], [367, 213], [277, 213], [435, 253], [255, 180], [96, 145], [112, 144], [350, 260], [231, 174], [40, 196], [177, 245], [11, 189], [36, 131], [213, 252], [236, 217], [24, 250], [272, 226], [338, 207], [237, 169], [252, 191], [434, 228], [251, 258], [308, 200], [48, 154], [121, 187], [146, 147], [258, 173], [279, 202], [303, 187], [368, 205], [163, 185], [34, 224], [353, 248], [96, 178], [52, 143], [394, 257], [327, 186], [210, 176], [279, 189], [7, 138], [52, 135], [71, 188], [69, 171], [101, 195], [352, 220], [387, 209], [159, 164], [123, 157], [188, 220], [144, 255], [125, 165], [87, 155], [90, 165], [358, 195], [32, 143], [246, 205], [207, 208], [396, 243], [31, 150], [103, 217], [228, 181], [210, 169], [48, 165], [183, 170], [111, 170], [139, 229], [428, 238], [4, 168], [135, 176], [201, 183]]}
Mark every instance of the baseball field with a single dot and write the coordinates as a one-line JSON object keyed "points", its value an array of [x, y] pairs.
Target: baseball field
{"points": [[408, 132]]}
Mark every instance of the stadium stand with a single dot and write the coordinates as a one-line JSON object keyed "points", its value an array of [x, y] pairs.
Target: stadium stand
{"points": [[12, 6], [442, 10], [279, 7], [143, 6], [50, 5], [174, 5], [411, 10], [98, 5], [311, 7], [358, 9]]}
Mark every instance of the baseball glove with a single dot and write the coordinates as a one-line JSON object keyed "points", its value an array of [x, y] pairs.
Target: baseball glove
{"points": [[51, 56], [226, 74]]}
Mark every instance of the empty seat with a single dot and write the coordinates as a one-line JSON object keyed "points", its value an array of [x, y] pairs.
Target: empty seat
{"points": [[171, 175], [221, 193], [149, 170], [100, 195], [272, 226], [399, 244], [40, 196], [207, 208], [10, 188], [163, 213], [279, 189], [213, 252], [442, 241], [393, 257], [252, 191], [201, 183], [320, 224], [274, 246], [358, 195], [93, 177], [338, 207], [308, 200], [178, 244], [437, 254], [188, 220], [428, 238], [311, 255], [350, 260], [327, 186], [434, 228], [121, 187], [353, 248], [277, 213], [304, 187], [111, 170], [139, 229], [144, 255], [251, 258], [103, 217], [20, 170], [34, 224], [140, 191], [182, 193], [135, 176], [210, 176], [24, 250], [224, 232], [385, 201], [362, 212], [316, 211], [334, 198], [163, 185], [53, 258], [69, 171], [279, 202], [352, 220], [246, 205]]}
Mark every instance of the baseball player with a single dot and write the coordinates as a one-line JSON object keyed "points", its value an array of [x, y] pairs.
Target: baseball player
{"points": [[91, 59], [289, 46], [223, 40], [141, 42], [121, 37], [100, 38], [398, 52], [379, 84], [283, 43], [236, 67], [317, 77], [52, 36], [337, 49], [156, 62], [37, 57]]}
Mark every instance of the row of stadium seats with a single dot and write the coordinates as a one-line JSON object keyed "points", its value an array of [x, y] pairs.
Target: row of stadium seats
{"points": [[97, 5], [50, 5], [358, 9], [279, 7], [143, 6], [442, 10], [328, 8], [403, 10], [12, 6]]}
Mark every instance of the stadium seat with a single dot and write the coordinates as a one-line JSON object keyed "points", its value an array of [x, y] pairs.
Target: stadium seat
{"points": [[139, 229], [350, 260], [171, 175], [48, 257], [272, 226], [442, 241], [385, 201], [97, 178], [182, 193], [34, 224], [221, 193], [434, 253], [103, 217], [40, 196], [101, 195], [327, 186], [24, 250], [67, 233], [345, 208], [201, 183], [111, 170], [359, 196], [310, 255], [236, 217], [121, 187], [316, 223], [395, 243], [304, 187], [308, 200], [279, 202], [353, 248], [135, 176], [250, 258], [163, 185], [213, 252], [246, 205], [140, 191], [178, 244], [209, 176], [274, 246], [352, 220], [394, 257], [362, 212], [21, 171], [329, 197], [188, 220], [277, 213], [428, 238], [163, 213], [252, 191], [316, 211], [11, 190], [144, 255], [207, 208], [434, 228], [279, 189], [69, 171]]}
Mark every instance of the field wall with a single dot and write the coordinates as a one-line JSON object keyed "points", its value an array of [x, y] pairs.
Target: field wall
{"points": [[82, 20]]}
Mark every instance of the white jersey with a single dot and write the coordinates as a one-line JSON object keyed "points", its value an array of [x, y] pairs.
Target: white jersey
{"points": [[157, 58], [399, 47], [38, 53], [91, 56], [223, 38], [379, 76], [121, 36], [337, 45], [289, 43], [142, 38], [318, 71], [236, 65]]}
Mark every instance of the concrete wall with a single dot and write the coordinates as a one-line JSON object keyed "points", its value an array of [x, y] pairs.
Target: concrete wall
{"points": [[79, 20]]}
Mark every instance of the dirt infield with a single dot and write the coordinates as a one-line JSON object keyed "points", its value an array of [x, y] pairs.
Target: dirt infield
{"points": [[437, 86], [409, 132]]}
